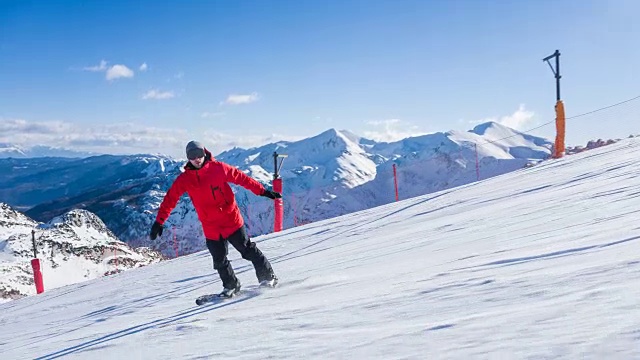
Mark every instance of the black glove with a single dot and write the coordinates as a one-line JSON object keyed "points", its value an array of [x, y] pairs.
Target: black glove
{"points": [[271, 194], [156, 229]]}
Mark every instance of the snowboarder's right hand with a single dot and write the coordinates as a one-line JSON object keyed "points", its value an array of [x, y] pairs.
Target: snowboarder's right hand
{"points": [[156, 229]]}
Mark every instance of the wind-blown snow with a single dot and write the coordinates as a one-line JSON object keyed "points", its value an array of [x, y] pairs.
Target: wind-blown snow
{"points": [[539, 263]]}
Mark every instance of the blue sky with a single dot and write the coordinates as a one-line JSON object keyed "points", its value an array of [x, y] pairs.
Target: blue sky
{"points": [[147, 76]]}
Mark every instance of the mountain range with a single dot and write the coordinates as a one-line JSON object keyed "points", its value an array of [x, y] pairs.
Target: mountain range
{"points": [[21, 152], [73, 247], [333, 173]]}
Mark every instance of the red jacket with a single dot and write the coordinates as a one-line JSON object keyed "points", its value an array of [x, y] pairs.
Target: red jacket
{"points": [[211, 195]]}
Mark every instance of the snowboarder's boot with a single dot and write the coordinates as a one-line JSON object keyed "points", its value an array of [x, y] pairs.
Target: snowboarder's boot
{"points": [[230, 292], [272, 281]]}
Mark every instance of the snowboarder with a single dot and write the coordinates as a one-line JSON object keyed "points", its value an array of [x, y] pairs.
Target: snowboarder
{"points": [[206, 181]]}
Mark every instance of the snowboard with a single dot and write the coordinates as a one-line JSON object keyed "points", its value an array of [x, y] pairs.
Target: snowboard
{"points": [[209, 298], [214, 298]]}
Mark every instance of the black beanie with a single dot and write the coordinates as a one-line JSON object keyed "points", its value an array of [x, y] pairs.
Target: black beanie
{"points": [[195, 150]]}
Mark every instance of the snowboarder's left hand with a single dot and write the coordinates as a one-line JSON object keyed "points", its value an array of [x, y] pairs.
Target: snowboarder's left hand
{"points": [[156, 229], [271, 194]]}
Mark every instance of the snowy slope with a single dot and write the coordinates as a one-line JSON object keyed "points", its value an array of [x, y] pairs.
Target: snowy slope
{"points": [[539, 263]]}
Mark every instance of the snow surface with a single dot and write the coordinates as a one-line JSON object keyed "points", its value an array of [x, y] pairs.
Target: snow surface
{"points": [[539, 263]]}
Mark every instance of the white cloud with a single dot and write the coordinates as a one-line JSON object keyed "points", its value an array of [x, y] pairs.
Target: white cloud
{"points": [[123, 138], [115, 71], [207, 114], [519, 120], [119, 71], [175, 77], [158, 95], [11, 128], [236, 99], [101, 67], [391, 130], [143, 67]]}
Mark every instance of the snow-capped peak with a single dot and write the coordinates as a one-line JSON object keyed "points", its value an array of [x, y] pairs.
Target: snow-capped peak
{"points": [[82, 225], [19, 151], [327, 144], [73, 247], [11, 217], [11, 151], [493, 128], [79, 218], [13, 222]]}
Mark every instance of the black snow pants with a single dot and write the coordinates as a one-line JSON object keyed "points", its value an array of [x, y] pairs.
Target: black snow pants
{"points": [[249, 251]]}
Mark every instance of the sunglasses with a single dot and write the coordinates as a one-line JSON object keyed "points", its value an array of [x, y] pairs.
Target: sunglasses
{"points": [[195, 153]]}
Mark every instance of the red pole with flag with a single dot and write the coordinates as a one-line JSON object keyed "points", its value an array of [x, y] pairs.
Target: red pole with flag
{"points": [[37, 275], [395, 180], [35, 264], [278, 204]]}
